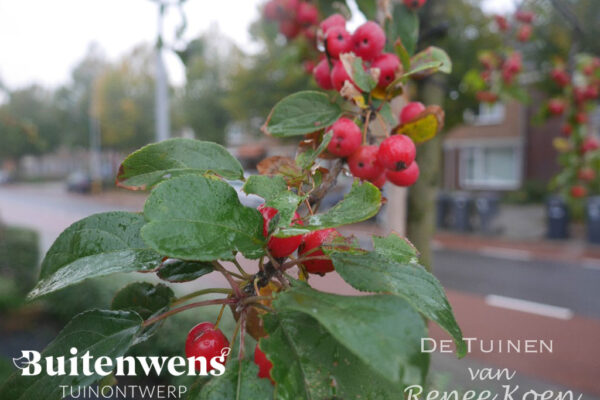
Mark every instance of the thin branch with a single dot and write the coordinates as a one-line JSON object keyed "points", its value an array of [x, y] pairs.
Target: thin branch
{"points": [[174, 311], [197, 293], [227, 276], [239, 268]]}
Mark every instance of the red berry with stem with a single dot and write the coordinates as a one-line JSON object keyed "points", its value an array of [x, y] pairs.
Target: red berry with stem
{"points": [[204, 340], [406, 177], [414, 4], [346, 137], [339, 76], [264, 365], [387, 63], [284, 246], [322, 75], [315, 240], [307, 14], [337, 41], [578, 191], [331, 21], [410, 111], [363, 163], [369, 41], [397, 152]]}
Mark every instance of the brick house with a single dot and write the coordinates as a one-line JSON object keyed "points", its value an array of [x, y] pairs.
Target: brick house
{"points": [[499, 149]]}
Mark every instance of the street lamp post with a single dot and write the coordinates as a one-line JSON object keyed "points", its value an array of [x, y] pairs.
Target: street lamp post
{"points": [[161, 89]]}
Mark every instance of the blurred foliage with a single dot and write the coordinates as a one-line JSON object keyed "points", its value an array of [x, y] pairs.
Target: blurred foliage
{"points": [[19, 256], [531, 192], [123, 101], [266, 77]]}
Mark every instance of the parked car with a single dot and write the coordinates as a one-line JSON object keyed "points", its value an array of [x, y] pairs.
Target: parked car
{"points": [[79, 182]]}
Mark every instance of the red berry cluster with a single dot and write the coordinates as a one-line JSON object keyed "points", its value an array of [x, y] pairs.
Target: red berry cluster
{"points": [[308, 245], [523, 20], [294, 17], [367, 42], [577, 96], [393, 160]]}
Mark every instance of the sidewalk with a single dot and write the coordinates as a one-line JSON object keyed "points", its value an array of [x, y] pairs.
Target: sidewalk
{"points": [[571, 251]]}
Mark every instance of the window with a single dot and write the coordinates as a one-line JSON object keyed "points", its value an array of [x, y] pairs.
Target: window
{"points": [[492, 167], [490, 114]]}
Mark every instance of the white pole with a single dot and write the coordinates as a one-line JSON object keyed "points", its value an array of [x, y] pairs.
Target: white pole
{"points": [[162, 90]]}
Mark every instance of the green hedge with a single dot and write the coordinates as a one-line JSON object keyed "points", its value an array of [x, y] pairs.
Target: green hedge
{"points": [[19, 257]]}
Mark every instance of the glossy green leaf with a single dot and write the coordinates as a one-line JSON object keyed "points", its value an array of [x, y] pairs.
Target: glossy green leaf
{"points": [[396, 248], [239, 382], [98, 245], [99, 332], [309, 363], [403, 25], [302, 113], [361, 203], [286, 203], [265, 186], [383, 331], [374, 272], [306, 159], [402, 54], [198, 218], [174, 270], [431, 56], [174, 157], [142, 297], [355, 68]]}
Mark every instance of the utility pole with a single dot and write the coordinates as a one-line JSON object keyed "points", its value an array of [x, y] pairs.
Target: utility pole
{"points": [[161, 90]]}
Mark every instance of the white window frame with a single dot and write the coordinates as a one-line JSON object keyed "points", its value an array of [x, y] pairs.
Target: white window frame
{"points": [[490, 114], [500, 184]]}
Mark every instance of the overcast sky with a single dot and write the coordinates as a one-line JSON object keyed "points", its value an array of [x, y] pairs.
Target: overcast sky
{"points": [[41, 40]]}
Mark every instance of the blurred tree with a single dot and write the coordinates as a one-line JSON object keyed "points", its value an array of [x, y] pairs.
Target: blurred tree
{"points": [[209, 61], [123, 101], [267, 76]]}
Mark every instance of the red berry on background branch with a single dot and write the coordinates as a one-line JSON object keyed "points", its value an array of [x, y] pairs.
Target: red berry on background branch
{"points": [[525, 17], [388, 64], [363, 163], [307, 14], [586, 174], [346, 137], [315, 240], [560, 76], [566, 130], [556, 106], [204, 340], [322, 75], [264, 365], [589, 143], [331, 21], [279, 247], [524, 33], [369, 41], [410, 111], [397, 152], [339, 76], [406, 177], [337, 41], [578, 191]]}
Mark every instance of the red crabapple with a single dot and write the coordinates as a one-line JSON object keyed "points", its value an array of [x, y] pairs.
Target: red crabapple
{"points": [[331, 21], [369, 41], [363, 163], [387, 63], [337, 41], [410, 111], [406, 177], [315, 240], [204, 340], [284, 246], [346, 138], [397, 152], [322, 75]]}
